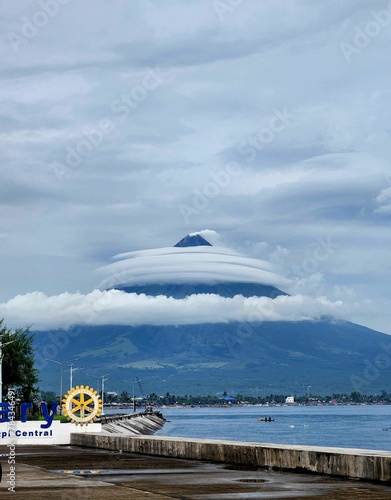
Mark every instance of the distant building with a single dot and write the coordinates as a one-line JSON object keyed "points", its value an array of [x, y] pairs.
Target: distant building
{"points": [[290, 400], [230, 401]]}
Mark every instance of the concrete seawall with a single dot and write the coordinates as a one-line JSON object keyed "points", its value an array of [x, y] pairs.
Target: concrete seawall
{"points": [[369, 465]]}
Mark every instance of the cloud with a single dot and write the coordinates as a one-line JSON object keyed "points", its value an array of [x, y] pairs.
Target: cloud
{"points": [[115, 307], [384, 200], [209, 234], [318, 175], [199, 264]]}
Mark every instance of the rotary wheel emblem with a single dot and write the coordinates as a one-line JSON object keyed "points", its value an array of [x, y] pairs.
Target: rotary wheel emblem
{"points": [[82, 405]]}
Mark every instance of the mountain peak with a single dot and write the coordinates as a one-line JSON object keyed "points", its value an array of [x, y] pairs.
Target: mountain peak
{"points": [[193, 240]]}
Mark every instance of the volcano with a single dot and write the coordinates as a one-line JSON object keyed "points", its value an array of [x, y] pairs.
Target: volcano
{"points": [[239, 357]]}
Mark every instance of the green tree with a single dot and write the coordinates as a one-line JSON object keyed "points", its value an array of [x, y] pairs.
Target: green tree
{"points": [[124, 397], [49, 396], [18, 362]]}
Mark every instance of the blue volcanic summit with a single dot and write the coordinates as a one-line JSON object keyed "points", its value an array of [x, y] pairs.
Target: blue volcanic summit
{"points": [[193, 240]]}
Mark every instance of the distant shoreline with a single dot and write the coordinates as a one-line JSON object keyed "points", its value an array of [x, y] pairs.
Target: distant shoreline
{"points": [[242, 405]]}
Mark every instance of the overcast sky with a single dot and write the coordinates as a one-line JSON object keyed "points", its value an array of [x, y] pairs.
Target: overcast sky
{"points": [[126, 125]]}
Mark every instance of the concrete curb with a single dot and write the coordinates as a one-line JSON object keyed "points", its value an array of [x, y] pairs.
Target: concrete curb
{"points": [[369, 465]]}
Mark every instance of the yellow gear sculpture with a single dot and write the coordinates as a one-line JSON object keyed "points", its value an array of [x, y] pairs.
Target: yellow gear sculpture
{"points": [[82, 405]]}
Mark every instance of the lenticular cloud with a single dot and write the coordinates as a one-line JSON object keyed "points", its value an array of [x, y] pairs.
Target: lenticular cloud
{"points": [[196, 264]]}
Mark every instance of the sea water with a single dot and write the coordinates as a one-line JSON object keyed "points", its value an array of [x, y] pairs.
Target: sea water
{"points": [[367, 427]]}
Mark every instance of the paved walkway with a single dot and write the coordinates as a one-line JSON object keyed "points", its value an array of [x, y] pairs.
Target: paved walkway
{"points": [[63, 472]]}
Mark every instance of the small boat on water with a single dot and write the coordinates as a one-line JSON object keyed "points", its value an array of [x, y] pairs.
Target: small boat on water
{"points": [[265, 419]]}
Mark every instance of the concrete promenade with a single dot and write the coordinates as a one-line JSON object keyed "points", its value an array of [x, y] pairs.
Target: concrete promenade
{"points": [[64, 472], [368, 465]]}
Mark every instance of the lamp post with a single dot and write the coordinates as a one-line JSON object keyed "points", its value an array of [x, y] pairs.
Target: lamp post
{"points": [[103, 390], [97, 380], [133, 398], [103, 379], [71, 370], [1, 365], [61, 365]]}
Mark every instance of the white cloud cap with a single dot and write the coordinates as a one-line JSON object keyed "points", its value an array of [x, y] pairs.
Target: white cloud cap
{"points": [[199, 264], [114, 307]]}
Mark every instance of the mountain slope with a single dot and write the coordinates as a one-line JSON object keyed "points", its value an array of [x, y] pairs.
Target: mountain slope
{"points": [[270, 357]]}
